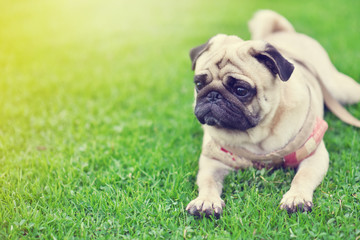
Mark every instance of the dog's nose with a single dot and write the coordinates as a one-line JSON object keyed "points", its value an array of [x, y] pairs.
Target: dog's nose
{"points": [[214, 96]]}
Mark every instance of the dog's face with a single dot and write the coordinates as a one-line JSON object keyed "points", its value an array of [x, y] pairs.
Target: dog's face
{"points": [[236, 81]]}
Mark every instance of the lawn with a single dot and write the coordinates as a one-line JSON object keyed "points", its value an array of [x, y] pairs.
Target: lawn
{"points": [[97, 135]]}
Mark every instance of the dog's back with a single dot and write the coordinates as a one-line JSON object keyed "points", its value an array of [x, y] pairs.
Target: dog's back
{"points": [[271, 27]]}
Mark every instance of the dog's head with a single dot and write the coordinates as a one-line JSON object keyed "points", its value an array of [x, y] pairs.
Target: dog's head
{"points": [[236, 81]]}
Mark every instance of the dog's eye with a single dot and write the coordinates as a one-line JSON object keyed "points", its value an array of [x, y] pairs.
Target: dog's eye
{"points": [[199, 85], [241, 92], [200, 81]]}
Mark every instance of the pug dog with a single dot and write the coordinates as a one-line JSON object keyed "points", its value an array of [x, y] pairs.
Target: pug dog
{"points": [[261, 104]]}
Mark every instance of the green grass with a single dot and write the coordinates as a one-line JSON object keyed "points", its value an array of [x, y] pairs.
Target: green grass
{"points": [[97, 134]]}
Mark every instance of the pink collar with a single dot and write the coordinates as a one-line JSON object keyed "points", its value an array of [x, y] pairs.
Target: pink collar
{"points": [[294, 158], [309, 147]]}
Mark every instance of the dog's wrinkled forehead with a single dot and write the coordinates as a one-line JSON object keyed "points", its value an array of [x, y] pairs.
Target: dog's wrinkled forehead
{"points": [[222, 54], [225, 54], [216, 52]]}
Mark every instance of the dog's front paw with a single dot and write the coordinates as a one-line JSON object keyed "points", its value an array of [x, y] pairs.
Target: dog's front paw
{"points": [[295, 201], [207, 206]]}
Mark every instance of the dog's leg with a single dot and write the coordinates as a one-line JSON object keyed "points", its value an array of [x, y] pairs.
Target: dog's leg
{"points": [[345, 89], [266, 22], [310, 173], [209, 179]]}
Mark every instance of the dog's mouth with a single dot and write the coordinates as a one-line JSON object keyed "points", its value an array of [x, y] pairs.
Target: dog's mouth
{"points": [[223, 115], [210, 120], [211, 117]]}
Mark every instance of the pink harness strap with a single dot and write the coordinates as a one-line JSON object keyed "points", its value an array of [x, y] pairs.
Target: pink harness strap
{"points": [[309, 147], [294, 158]]}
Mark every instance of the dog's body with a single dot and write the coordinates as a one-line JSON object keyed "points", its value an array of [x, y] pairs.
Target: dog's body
{"points": [[259, 101]]}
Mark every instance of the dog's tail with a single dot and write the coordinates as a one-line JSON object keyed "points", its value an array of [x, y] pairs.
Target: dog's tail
{"points": [[266, 22]]}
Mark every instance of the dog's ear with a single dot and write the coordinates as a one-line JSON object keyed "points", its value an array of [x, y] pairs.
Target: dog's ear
{"points": [[197, 51], [275, 62]]}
